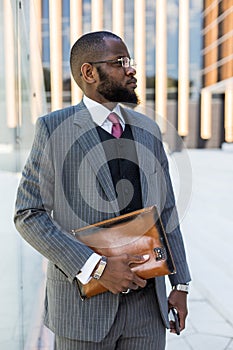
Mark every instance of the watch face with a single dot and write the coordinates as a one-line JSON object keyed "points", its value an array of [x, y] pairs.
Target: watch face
{"points": [[183, 287]]}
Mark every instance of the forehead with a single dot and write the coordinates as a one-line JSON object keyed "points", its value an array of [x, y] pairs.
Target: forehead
{"points": [[115, 48]]}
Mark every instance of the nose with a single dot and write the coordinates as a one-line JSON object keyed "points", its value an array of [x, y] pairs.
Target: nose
{"points": [[130, 70]]}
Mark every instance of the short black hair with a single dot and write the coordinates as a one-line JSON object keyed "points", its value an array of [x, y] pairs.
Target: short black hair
{"points": [[87, 47]]}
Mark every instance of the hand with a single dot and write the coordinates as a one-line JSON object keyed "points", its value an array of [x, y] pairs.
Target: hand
{"points": [[178, 300], [118, 277]]}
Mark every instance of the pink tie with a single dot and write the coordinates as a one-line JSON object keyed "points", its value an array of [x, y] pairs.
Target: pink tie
{"points": [[116, 126]]}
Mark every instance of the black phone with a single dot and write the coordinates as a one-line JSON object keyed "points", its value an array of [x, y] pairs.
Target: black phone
{"points": [[173, 316]]}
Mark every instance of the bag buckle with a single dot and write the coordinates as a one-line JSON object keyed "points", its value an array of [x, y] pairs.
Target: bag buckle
{"points": [[160, 253]]}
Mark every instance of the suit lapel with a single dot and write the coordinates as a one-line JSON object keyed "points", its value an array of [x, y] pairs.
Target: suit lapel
{"points": [[89, 140]]}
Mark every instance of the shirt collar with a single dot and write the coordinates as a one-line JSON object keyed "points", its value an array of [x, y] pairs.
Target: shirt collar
{"points": [[99, 113]]}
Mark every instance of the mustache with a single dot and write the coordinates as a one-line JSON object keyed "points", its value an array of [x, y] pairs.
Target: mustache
{"points": [[132, 80]]}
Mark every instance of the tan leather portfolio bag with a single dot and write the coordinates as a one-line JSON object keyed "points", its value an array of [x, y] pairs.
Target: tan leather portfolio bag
{"points": [[138, 233]]}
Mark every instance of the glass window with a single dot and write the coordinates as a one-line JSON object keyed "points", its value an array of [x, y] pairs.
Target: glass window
{"points": [[22, 100]]}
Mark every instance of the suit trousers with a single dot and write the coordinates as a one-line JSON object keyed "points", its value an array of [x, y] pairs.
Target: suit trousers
{"points": [[138, 325]]}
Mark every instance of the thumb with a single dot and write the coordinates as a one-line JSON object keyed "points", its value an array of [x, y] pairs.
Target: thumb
{"points": [[138, 259]]}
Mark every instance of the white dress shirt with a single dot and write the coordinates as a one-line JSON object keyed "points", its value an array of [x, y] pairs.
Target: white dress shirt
{"points": [[99, 114]]}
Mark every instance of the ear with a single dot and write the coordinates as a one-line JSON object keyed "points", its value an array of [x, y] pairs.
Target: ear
{"points": [[88, 74]]}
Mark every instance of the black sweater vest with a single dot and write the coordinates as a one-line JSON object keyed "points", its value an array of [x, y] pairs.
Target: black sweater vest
{"points": [[123, 164]]}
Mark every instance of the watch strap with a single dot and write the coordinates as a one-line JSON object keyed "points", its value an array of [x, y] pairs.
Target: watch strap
{"points": [[182, 287], [100, 268]]}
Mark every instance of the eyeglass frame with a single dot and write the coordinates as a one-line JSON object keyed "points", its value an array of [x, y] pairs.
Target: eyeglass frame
{"points": [[129, 62]]}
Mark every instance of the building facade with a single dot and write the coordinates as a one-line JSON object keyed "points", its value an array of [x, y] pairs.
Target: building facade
{"points": [[217, 73], [164, 38], [22, 100], [159, 35], [22, 93]]}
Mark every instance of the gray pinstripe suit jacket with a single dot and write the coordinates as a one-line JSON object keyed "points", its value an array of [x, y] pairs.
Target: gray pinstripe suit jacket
{"points": [[66, 183]]}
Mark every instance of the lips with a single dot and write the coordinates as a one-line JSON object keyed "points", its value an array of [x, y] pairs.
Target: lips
{"points": [[132, 82]]}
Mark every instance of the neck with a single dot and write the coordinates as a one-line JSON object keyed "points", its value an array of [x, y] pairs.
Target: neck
{"points": [[100, 99], [109, 105], [105, 103]]}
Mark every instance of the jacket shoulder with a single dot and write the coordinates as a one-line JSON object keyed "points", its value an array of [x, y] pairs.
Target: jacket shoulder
{"points": [[53, 119], [144, 121]]}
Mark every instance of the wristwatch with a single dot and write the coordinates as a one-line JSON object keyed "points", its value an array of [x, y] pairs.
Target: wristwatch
{"points": [[100, 268], [182, 288]]}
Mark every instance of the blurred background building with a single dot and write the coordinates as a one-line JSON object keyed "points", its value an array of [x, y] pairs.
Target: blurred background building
{"points": [[184, 54], [217, 72], [183, 50]]}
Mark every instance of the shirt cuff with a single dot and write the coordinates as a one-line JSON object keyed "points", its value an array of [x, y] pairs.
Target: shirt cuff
{"points": [[85, 275]]}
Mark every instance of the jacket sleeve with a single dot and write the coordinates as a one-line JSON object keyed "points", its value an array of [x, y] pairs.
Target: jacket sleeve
{"points": [[34, 206], [170, 219]]}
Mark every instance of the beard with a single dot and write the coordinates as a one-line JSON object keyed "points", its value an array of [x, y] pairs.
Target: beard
{"points": [[115, 92]]}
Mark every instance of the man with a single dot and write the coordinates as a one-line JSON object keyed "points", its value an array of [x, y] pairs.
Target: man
{"points": [[84, 168]]}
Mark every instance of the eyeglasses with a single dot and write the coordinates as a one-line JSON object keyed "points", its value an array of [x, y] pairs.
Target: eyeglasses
{"points": [[124, 62]]}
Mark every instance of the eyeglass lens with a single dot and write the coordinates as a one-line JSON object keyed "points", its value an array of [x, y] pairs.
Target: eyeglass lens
{"points": [[127, 62]]}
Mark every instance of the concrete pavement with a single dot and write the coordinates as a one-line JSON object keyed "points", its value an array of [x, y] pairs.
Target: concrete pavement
{"points": [[21, 276], [208, 233], [207, 223]]}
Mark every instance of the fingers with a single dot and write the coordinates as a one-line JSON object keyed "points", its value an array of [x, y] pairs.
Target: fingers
{"points": [[172, 327], [181, 323], [139, 282], [137, 259], [182, 318], [119, 277], [178, 300]]}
